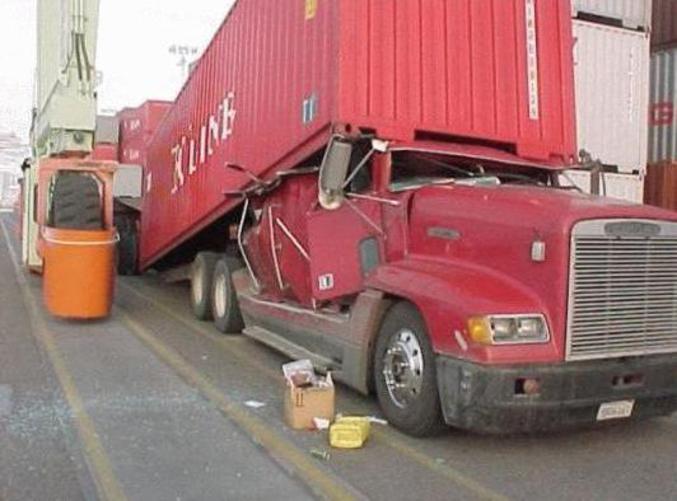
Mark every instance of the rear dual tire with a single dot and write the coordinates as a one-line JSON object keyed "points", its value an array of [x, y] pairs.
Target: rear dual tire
{"points": [[224, 304], [202, 275], [128, 246], [213, 296]]}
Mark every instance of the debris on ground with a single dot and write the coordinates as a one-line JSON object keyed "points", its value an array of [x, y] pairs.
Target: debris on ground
{"points": [[308, 396], [254, 404], [320, 454], [321, 423], [349, 432]]}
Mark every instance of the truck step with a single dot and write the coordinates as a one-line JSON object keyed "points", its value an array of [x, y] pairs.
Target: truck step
{"points": [[277, 342]]}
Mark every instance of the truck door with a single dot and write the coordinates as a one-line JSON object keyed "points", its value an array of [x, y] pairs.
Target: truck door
{"points": [[277, 243], [345, 244]]}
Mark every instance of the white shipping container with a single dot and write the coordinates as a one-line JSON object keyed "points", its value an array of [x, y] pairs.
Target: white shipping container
{"points": [[628, 187], [611, 67], [633, 14], [662, 111]]}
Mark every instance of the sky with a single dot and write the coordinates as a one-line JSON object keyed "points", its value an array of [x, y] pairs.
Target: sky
{"points": [[133, 53]]}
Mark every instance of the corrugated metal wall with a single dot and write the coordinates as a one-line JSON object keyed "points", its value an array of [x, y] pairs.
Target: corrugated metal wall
{"points": [[662, 112], [494, 70], [632, 13], [261, 95], [278, 75], [611, 67], [664, 24]]}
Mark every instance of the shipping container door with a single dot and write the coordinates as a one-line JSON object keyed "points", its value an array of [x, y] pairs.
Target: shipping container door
{"points": [[611, 68]]}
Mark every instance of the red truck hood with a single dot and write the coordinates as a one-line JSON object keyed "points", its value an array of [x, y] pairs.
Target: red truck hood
{"points": [[542, 209], [491, 230]]}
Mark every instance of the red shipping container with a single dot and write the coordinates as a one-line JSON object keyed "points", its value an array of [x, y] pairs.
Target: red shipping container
{"points": [[660, 187], [140, 123], [105, 152], [280, 77], [133, 151]]}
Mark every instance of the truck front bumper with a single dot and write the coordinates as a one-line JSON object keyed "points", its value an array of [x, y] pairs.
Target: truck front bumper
{"points": [[490, 399]]}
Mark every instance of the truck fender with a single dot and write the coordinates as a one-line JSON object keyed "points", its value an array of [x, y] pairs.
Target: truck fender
{"points": [[448, 293]]}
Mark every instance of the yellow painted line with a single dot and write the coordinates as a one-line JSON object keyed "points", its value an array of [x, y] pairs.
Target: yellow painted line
{"points": [[223, 340], [100, 466], [305, 467], [385, 436]]}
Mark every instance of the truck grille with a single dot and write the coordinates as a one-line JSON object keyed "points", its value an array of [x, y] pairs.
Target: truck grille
{"points": [[623, 289]]}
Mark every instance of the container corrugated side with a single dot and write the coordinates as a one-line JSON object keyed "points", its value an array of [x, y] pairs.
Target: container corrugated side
{"points": [[141, 122], [261, 95], [661, 185], [133, 151], [611, 67], [662, 110], [494, 70], [279, 77], [664, 24], [635, 14]]}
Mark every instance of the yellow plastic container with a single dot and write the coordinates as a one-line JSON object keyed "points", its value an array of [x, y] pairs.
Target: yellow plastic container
{"points": [[349, 432]]}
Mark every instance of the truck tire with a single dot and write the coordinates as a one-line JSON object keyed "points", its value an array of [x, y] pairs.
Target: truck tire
{"points": [[405, 376], [128, 247], [75, 203], [225, 306], [201, 284]]}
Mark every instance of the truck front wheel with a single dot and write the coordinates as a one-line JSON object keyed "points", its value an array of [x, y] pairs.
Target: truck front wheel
{"points": [[225, 308], [201, 284], [404, 373]]}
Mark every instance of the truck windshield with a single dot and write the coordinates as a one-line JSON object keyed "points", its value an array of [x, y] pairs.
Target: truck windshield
{"points": [[415, 169]]}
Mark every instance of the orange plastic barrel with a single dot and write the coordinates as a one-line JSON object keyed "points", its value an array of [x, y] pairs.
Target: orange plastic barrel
{"points": [[78, 272]]}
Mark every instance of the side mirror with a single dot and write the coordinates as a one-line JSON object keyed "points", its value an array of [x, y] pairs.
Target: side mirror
{"points": [[333, 173]]}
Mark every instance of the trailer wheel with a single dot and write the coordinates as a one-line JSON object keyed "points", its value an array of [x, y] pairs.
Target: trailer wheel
{"points": [[128, 246], [201, 284], [225, 307], [404, 373]]}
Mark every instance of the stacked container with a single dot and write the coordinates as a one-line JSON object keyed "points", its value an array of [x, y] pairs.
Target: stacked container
{"points": [[611, 66], [664, 25], [106, 138], [137, 126], [630, 14], [661, 182]]}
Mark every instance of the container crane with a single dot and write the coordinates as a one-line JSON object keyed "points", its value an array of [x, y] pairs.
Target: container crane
{"points": [[68, 234]]}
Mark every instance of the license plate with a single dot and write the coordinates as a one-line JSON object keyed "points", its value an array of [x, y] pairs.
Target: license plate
{"points": [[615, 410]]}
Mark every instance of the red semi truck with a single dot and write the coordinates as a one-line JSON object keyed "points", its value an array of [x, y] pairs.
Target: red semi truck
{"points": [[378, 186]]}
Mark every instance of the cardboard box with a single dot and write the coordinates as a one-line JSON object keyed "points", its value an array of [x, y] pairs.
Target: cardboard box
{"points": [[301, 405]]}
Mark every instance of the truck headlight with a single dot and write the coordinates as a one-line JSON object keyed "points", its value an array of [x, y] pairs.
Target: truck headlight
{"points": [[509, 329]]}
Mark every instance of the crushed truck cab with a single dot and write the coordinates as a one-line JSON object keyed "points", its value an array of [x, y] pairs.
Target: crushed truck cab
{"points": [[542, 307]]}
